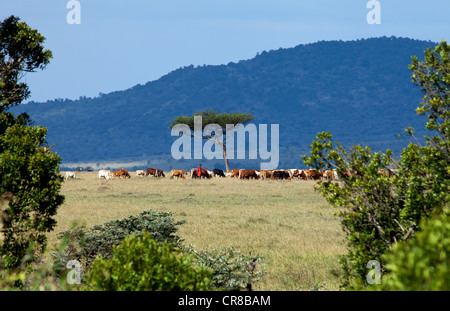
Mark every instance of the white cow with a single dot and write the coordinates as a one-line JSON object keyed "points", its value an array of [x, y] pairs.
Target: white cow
{"points": [[69, 175], [104, 174], [140, 173]]}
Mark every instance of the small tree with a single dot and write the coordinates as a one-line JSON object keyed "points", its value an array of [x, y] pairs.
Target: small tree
{"points": [[221, 119], [29, 171]]}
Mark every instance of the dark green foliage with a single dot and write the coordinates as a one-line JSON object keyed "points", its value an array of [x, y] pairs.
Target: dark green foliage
{"points": [[379, 211], [29, 172], [358, 90], [212, 117], [433, 77], [232, 271], [423, 262], [85, 245], [143, 264], [21, 50]]}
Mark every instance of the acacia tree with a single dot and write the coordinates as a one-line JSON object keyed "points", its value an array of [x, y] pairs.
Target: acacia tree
{"points": [[29, 170], [378, 211], [221, 119]]}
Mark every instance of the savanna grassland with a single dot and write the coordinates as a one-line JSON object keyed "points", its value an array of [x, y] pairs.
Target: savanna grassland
{"points": [[286, 222]]}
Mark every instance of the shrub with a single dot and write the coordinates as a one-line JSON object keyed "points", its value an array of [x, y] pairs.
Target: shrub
{"points": [[423, 262], [143, 264], [85, 245], [29, 173], [232, 271]]}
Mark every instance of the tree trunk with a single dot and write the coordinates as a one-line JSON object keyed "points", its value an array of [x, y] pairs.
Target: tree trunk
{"points": [[227, 166]]}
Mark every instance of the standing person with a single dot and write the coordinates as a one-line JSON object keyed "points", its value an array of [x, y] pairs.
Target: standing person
{"points": [[199, 171]]}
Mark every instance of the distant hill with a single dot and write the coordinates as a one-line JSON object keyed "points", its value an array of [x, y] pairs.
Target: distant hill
{"points": [[360, 91]]}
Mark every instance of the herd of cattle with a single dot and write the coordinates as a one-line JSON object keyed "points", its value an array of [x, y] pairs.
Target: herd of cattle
{"points": [[305, 174]]}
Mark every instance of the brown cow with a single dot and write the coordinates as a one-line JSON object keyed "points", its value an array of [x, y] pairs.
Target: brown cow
{"points": [[234, 173], [247, 174], [303, 175], [265, 174], [124, 173], [204, 173], [121, 173], [280, 174], [308, 173], [154, 172], [312, 174], [178, 174]]}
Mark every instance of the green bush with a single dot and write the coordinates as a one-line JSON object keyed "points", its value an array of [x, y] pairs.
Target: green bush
{"points": [[29, 173], [232, 271], [423, 262], [85, 245], [143, 264]]}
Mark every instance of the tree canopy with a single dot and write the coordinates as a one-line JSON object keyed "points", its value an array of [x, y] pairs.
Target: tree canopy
{"points": [[21, 51], [212, 117]]}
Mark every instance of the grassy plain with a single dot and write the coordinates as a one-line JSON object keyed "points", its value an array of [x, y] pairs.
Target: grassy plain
{"points": [[286, 222]]}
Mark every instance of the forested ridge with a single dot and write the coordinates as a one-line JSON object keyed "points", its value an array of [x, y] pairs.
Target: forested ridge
{"points": [[359, 90]]}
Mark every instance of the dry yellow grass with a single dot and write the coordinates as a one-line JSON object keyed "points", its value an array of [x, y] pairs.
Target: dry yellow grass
{"points": [[286, 222]]}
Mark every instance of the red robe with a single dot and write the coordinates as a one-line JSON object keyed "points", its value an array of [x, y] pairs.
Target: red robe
{"points": [[199, 171]]}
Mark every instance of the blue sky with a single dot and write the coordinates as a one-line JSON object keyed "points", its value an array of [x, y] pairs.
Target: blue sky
{"points": [[123, 43]]}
